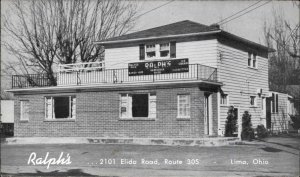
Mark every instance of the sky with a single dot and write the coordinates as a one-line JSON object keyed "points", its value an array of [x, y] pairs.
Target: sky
{"points": [[249, 26]]}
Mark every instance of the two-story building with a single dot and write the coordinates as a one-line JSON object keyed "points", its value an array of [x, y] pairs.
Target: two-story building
{"points": [[172, 81]]}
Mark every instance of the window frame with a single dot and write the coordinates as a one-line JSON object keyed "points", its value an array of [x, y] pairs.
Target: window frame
{"points": [[21, 110], [227, 100], [254, 101], [189, 107], [157, 51], [169, 49], [249, 59], [252, 60], [150, 102], [71, 102]]}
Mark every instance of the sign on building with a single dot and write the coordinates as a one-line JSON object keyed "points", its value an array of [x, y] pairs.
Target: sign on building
{"points": [[158, 67]]}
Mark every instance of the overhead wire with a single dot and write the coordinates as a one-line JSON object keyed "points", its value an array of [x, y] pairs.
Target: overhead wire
{"points": [[154, 9], [239, 12], [245, 13], [151, 11]]}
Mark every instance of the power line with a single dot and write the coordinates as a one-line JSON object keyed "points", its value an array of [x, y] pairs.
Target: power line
{"points": [[246, 12], [150, 11], [153, 9], [239, 11]]}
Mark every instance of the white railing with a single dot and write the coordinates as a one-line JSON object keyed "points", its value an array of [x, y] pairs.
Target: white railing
{"points": [[119, 76], [76, 67]]}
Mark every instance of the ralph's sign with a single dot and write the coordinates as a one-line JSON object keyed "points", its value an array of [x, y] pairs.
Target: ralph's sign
{"points": [[158, 67]]}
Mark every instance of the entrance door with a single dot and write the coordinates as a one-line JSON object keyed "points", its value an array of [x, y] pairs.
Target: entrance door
{"points": [[207, 114], [268, 112]]}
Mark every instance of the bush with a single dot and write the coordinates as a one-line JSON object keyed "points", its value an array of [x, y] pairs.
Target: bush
{"points": [[262, 132], [230, 126], [247, 130], [295, 121]]}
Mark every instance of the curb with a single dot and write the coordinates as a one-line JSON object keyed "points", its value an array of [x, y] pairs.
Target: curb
{"points": [[221, 141]]}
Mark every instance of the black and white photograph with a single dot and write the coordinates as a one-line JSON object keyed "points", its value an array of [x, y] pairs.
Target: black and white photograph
{"points": [[150, 88]]}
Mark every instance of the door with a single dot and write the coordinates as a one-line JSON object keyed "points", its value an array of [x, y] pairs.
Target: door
{"points": [[207, 114], [238, 129], [268, 112]]}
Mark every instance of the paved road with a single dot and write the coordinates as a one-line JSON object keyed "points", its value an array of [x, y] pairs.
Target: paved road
{"points": [[181, 161]]}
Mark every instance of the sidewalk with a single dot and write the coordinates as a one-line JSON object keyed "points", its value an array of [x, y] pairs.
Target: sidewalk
{"points": [[283, 142]]}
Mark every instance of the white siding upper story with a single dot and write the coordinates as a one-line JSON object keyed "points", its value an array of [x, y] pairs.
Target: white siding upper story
{"points": [[198, 52], [116, 58], [240, 82]]}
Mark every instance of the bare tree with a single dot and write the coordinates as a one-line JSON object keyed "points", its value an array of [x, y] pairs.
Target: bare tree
{"points": [[284, 64], [44, 33]]}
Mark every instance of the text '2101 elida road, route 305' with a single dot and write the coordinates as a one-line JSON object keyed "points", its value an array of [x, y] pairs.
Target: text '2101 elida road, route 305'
{"points": [[143, 161]]}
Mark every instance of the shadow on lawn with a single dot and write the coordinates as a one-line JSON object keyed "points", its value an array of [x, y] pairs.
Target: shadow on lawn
{"points": [[72, 172], [270, 149]]}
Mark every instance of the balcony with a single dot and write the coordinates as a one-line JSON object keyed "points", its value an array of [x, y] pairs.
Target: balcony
{"points": [[86, 74]]}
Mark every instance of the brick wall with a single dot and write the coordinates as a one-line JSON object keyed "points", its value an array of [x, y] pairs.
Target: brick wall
{"points": [[97, 115]]}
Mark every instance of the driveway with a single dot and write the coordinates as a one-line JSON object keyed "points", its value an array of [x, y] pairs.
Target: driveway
{"points": [[137, 160]]}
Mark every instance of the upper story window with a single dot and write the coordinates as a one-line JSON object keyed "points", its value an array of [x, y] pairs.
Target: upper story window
{"points": [[164, 50], [252, 62], [158, 50], [150, 51]]}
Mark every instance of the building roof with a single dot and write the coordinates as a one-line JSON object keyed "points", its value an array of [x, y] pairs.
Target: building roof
{"points": [[178, 29], [182, 27]]}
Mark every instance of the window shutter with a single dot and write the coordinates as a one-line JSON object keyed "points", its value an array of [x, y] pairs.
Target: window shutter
{"points": [[273, 102], [276, 102], [49, 107], [142, 52], [152, 106], [24, 110], [173, 49], [124, 106], [73, 107], [129, 105]]}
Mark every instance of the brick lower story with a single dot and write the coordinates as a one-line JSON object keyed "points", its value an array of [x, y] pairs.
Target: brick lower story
{"points": [[98, 115]]}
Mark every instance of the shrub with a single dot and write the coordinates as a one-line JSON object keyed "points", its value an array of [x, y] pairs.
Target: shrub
{"points": [[230, 126], [295, 121], [247, 130], [262, 132]]}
